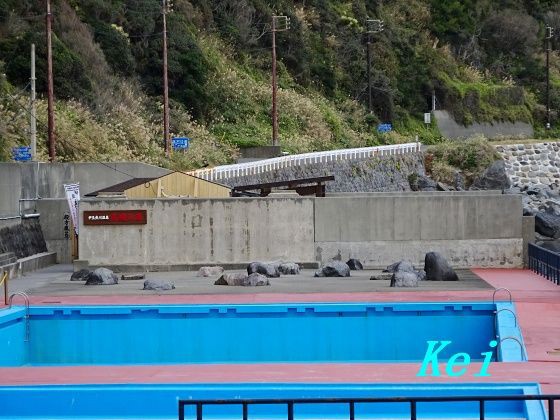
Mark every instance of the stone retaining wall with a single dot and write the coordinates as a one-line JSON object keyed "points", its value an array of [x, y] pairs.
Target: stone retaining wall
{"points": [[529, 165], [387, 173]]}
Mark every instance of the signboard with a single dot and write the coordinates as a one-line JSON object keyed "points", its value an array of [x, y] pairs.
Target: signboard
{"points": [[73, 198], [384, 128], [21, 154], [115, 217], [427, 118], [180, 143]]}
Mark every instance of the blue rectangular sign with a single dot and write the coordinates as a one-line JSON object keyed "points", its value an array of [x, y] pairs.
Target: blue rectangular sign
{"points": [[180, 143], [384, 128], [21, 154]]}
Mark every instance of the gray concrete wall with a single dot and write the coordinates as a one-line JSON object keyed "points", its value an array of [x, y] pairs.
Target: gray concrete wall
{"points": [[450, 129], [471, 230], [202, 231], [52, 222], [528, 237]]}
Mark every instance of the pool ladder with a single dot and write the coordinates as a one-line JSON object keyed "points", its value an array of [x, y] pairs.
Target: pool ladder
{"points": [[26, 298], [496, 313]]}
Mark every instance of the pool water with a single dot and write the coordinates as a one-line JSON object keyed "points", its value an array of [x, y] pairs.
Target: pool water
{"points": [[294, 333], [150, 402]]}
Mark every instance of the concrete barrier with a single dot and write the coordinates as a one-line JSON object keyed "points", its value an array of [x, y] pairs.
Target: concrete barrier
{"points": [[181, 231], [470, 229]]}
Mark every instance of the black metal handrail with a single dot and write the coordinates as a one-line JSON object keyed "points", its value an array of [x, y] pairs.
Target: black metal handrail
{"points": [[544, 262], [413, 401]]}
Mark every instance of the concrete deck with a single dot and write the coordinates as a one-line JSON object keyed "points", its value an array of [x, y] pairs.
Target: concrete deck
{"points": [[537, 302], [55, 281]]}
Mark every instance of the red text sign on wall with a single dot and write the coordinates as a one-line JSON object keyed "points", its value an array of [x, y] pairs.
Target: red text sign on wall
{"points": [[115, 217]]}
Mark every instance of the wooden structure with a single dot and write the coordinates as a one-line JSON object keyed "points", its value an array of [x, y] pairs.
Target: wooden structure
{"points": [[175, 184], [303, 186]]}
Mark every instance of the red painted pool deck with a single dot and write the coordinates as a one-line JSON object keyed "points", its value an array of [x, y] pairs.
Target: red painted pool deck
{"points": [[537, 302]]}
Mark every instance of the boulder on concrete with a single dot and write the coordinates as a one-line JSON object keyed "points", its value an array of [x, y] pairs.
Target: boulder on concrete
{"points": [[210, 271], [547, 224], [403, 265], [80, 275], [266, 269], [289, 268], [101, 276], [158, 285], [333, 269], [404, 279], [438, 269], [354, 264], [241, 279]]}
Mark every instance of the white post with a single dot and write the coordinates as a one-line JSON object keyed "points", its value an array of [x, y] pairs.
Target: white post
{"points": [[33, 122]]}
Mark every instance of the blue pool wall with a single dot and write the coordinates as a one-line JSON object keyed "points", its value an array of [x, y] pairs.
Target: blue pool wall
{"points": [[253, 333], [144, 401]]}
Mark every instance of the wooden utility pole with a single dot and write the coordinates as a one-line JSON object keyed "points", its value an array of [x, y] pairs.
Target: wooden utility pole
{"points": [[50, 87], [276, 28], [373, 26], [33, 113], [549, 35], [166, 139], [274, 86], [369, 71]]}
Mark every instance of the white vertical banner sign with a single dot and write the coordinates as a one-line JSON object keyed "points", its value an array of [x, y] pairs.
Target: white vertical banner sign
{"points": [[73, 197]]}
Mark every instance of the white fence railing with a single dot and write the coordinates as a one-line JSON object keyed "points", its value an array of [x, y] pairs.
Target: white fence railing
{"points": [[252, 168]]}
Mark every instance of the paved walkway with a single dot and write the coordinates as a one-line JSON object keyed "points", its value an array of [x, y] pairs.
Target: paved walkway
{"points": [[537, 302]]}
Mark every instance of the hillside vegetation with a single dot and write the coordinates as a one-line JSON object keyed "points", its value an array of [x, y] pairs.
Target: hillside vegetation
{"points": [[484, 59]]}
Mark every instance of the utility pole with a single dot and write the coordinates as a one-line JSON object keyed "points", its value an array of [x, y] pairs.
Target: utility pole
{"points": [[166, 4], [549, 35], [50, 87], [279, 24], [373, 26], [33, 120]]}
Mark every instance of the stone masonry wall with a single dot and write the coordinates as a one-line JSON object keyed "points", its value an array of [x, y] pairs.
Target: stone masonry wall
{"points": [[531, 165], [387, 173]]}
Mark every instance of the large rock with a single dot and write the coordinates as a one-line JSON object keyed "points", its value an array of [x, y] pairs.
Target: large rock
{"points": [[404, 274], [354, 264], [266, 269], [553, 246], [419, 182], [493, 178], [289, 268], [101, 276], [241, 279], [438, 269], [80, 275], [404, 279], [158, 285], [402, 265], [210, 271], [333, 269], [547, 224]]}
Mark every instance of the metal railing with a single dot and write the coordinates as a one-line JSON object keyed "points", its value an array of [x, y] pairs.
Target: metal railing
{"points": [[351, 402], [544, 262], [252, 168]]}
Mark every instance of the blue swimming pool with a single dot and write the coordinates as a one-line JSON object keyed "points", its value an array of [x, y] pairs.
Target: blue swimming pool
{"points": [[306, 333], [151, 402]]}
